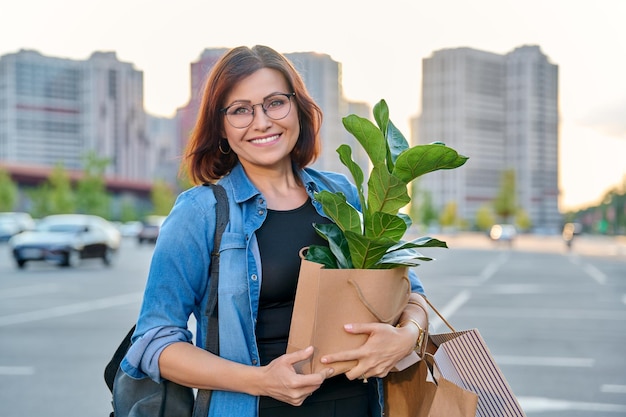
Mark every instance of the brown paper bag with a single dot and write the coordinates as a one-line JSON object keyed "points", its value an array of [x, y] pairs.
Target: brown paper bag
{"points": [[326, 299], [461, 359], [421, 391]]}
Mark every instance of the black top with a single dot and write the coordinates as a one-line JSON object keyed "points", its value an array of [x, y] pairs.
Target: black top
{"points": [[280, 238]]}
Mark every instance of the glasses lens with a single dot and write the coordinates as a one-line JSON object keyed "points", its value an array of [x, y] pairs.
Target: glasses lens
{"points": [[240, 115], [277, 107]]}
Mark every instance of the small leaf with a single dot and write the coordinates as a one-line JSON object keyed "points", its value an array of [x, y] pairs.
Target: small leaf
{"points": [[381, 115], [321, 255], [337, 208], [345, 155], [369, 136], [337, 243], [396, 142], [422, 159]]}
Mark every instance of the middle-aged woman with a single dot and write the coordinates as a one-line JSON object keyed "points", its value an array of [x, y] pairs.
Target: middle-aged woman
{"points": [[256, 133]]}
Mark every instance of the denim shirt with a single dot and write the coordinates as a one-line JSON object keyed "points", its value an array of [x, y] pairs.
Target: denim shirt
{"points": [[177, 284]]}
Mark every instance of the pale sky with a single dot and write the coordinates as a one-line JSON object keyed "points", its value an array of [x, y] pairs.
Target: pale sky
{"points": [[380, 45]]}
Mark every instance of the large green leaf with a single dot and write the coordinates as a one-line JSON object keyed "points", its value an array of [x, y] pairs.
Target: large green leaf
{"points": [[337, 243], [422, 159], [405, 257], [345, 156], [421, 242], [385, 225], [386, 192], [321, 255], [381, 115], [366, 252], [369, 136], [340, 211]]}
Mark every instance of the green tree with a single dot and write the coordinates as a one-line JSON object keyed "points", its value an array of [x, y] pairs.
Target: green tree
{"points": [[485, 217], [448, 216], [505, 204], [162, 198], [522, 220], [91, 193], [8, 191], [61, 198]]}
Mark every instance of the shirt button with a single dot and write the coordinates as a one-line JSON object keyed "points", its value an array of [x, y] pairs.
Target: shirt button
{"points": [[260, 212], [254, 361], [253, 277]]}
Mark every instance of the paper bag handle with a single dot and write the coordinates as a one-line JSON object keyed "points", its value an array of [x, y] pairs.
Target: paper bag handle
{"points": [[438, 313], [373, 310]]}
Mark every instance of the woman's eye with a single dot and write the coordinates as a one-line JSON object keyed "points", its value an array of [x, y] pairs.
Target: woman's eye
{"points": [[241, 110], [275, 102]]}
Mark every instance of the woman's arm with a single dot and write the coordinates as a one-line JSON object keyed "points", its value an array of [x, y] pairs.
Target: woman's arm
{"points": [[189, 365]]}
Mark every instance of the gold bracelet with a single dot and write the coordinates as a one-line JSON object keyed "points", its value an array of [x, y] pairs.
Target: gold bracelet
{"points": [[421, 336]]}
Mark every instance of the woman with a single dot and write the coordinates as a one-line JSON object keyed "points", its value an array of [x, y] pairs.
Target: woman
{"points": [[256, 133]]}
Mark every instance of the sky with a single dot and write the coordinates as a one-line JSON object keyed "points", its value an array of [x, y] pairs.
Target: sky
{"points": [[380, 45]]}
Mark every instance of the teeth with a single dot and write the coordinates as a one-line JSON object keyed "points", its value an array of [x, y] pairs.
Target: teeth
{"points": [[265, 140]]}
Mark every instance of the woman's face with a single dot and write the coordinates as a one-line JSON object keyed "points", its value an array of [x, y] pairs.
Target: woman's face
{"points": [[265, 143]]}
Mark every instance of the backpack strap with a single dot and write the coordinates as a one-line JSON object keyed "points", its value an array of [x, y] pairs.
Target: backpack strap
{"points": [[203, 397]]}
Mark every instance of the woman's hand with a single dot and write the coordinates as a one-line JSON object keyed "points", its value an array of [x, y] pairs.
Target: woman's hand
{"points": [[282, 382], [386, 345]]}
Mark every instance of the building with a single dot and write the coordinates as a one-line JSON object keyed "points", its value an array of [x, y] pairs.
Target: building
{"points": [[56, 111], [502, 112]]}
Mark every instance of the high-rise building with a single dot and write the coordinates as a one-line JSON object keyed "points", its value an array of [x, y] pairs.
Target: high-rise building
{"points": [[502, 112], [56, 111]]}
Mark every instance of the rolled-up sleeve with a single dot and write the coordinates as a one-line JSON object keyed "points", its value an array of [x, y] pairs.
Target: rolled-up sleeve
{"points": [[144, 353]]}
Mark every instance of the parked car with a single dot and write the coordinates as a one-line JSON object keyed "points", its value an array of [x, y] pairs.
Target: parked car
{"points": [[503, 233], [12, 223], [150, 230], [66, 239]]}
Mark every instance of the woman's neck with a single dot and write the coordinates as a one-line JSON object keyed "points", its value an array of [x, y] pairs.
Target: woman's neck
{"points": [[280, 187]]}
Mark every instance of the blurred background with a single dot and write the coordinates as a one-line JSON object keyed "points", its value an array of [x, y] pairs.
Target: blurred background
{"points": [[97, 101]]}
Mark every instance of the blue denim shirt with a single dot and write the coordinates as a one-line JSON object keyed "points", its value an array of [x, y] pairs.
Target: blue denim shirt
{"points": [[177, 284]]}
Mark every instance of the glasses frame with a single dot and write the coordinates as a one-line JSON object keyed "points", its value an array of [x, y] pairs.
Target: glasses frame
{"points": [[288, 95]]}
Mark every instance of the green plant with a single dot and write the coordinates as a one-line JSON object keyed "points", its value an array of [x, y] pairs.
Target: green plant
{"points": [[372, 238]]}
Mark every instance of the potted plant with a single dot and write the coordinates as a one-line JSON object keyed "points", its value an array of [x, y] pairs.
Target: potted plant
{"points": [[362, 276]]}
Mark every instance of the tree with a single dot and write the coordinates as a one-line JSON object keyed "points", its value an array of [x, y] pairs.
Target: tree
{"points": [[162, 198], [522, 220], [8, 191], [448, 217], [485, 217], [91, 194], [505, 204], [61, 198]]}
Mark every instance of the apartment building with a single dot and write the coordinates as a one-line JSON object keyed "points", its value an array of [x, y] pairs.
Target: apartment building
{"points": [[502, 112], [56, 110]]}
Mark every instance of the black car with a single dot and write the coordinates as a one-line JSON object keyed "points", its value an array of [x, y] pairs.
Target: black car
{"points": [[66, 239]]}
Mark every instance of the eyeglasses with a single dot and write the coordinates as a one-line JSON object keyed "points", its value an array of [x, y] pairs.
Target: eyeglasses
{"points": [[276, 107]]}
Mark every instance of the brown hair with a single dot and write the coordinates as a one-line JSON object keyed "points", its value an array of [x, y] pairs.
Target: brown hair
{"points": [[204, 161]]}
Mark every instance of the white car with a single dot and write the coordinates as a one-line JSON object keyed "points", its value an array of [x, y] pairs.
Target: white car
{"points": [[66, 239]]}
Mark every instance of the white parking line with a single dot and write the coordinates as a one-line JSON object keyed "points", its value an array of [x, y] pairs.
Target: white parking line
{"points": [[595, 273], [67, 310], [545, 361], [538, 404], [613, 389], [17, 370], [28, 290], [493, 267]]}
